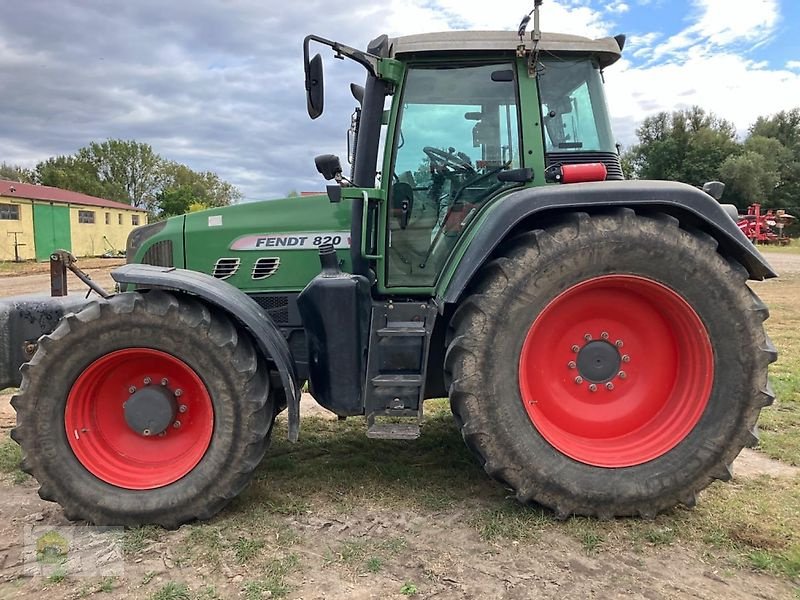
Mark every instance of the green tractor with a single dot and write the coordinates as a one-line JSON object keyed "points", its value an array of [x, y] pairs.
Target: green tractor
{"points": [[601, 350]]}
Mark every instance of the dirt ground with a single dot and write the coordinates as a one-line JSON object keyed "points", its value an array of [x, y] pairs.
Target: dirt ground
{"points": [[783, 263], [426, 553], [441, 549], [35, 277]]}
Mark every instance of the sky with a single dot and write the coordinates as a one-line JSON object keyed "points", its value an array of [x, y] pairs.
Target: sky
{"points": [[218, 84]]}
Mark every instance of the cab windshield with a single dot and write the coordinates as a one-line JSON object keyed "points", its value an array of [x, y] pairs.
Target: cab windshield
{"points": [[574, 110]]}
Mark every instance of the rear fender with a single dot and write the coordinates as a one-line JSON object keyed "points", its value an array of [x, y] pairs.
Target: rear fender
{"points": [[239, 306], [527, 207]]}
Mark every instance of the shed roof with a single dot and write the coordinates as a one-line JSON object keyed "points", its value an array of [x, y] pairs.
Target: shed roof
{"points": [[29, 191], [606, 49]]}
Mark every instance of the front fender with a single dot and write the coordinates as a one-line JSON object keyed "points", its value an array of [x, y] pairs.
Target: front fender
{"points": [[239, 305], [691, 205]]}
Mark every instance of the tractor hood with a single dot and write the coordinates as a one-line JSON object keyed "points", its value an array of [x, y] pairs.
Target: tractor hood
{"points": [[268, 245]]}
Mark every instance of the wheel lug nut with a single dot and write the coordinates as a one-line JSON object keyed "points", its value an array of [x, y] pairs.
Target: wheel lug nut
{"points": [[588, 337], [164, 381], [176, 424], [571, 364], [622, 375], [182, 408], [178, 393], [592, 388], [575, 348], [609, 386], [162, 434], [147, 381], [579, 380], [604, 335], [618, 343], [146, 432], [132, 389], [626, 358]]}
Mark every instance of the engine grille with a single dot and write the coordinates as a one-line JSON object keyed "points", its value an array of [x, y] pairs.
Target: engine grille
{"points": [[265, 267], [159, 254], [225, 267], [276, 306], [609, 159]]}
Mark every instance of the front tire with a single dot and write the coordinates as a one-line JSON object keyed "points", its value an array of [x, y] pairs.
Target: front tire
{"points": [[143, 408], [626, 373]]}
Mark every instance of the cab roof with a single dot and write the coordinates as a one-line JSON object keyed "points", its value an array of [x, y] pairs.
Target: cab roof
{"points": [[607, 50]]}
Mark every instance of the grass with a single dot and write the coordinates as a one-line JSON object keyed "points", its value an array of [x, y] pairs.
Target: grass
{"points": [[136, 539], [362, 555], [172, 591], [10, 458], [334, 470], [346, 469], [57, 576], [8, 267], [511, 521], [106, 585], [246, 549], [273, 583], [408, 589], [792, 248], [780, 424]]}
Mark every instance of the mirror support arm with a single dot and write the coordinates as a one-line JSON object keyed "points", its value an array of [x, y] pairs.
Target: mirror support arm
{"points": [[369, 61]]}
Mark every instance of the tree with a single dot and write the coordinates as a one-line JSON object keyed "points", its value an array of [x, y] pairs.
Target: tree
{"points": [[206, 187], [688, 145], [131, 172], [78, 175], [128, 165], [16, 173], [175, 201], [748, 178], [783, 127]]}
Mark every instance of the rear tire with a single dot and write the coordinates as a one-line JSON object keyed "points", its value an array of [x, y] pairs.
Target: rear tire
{"points": [[635, 447], [71, 423]]}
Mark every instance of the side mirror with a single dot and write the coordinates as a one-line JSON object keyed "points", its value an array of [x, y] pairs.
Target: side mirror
{"points": [[328, 165], [714, 189], [315, 89]]}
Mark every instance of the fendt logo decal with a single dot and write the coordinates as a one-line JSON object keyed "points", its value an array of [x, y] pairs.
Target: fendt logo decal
{"points": [[292, 241]]}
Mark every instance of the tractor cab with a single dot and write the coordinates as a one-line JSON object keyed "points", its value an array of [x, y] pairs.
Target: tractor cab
{"points": [[447, 126], [449, 123]]}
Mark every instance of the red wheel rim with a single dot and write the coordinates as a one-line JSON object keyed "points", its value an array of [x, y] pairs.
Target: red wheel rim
{"points": [[646, 407], [109, 448]]}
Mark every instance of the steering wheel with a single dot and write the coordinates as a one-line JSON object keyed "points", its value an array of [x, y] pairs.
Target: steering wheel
{"points": [[457, 161]]}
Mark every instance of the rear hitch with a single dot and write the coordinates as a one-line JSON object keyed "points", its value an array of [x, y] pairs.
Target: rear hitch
{"points": [[60, 261]]}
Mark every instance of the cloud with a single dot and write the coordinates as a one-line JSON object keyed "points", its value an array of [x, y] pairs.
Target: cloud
{"points": [[724, 83], [214, 84], [218, 85], [617, 7], [721, 23], [704, 64]]}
